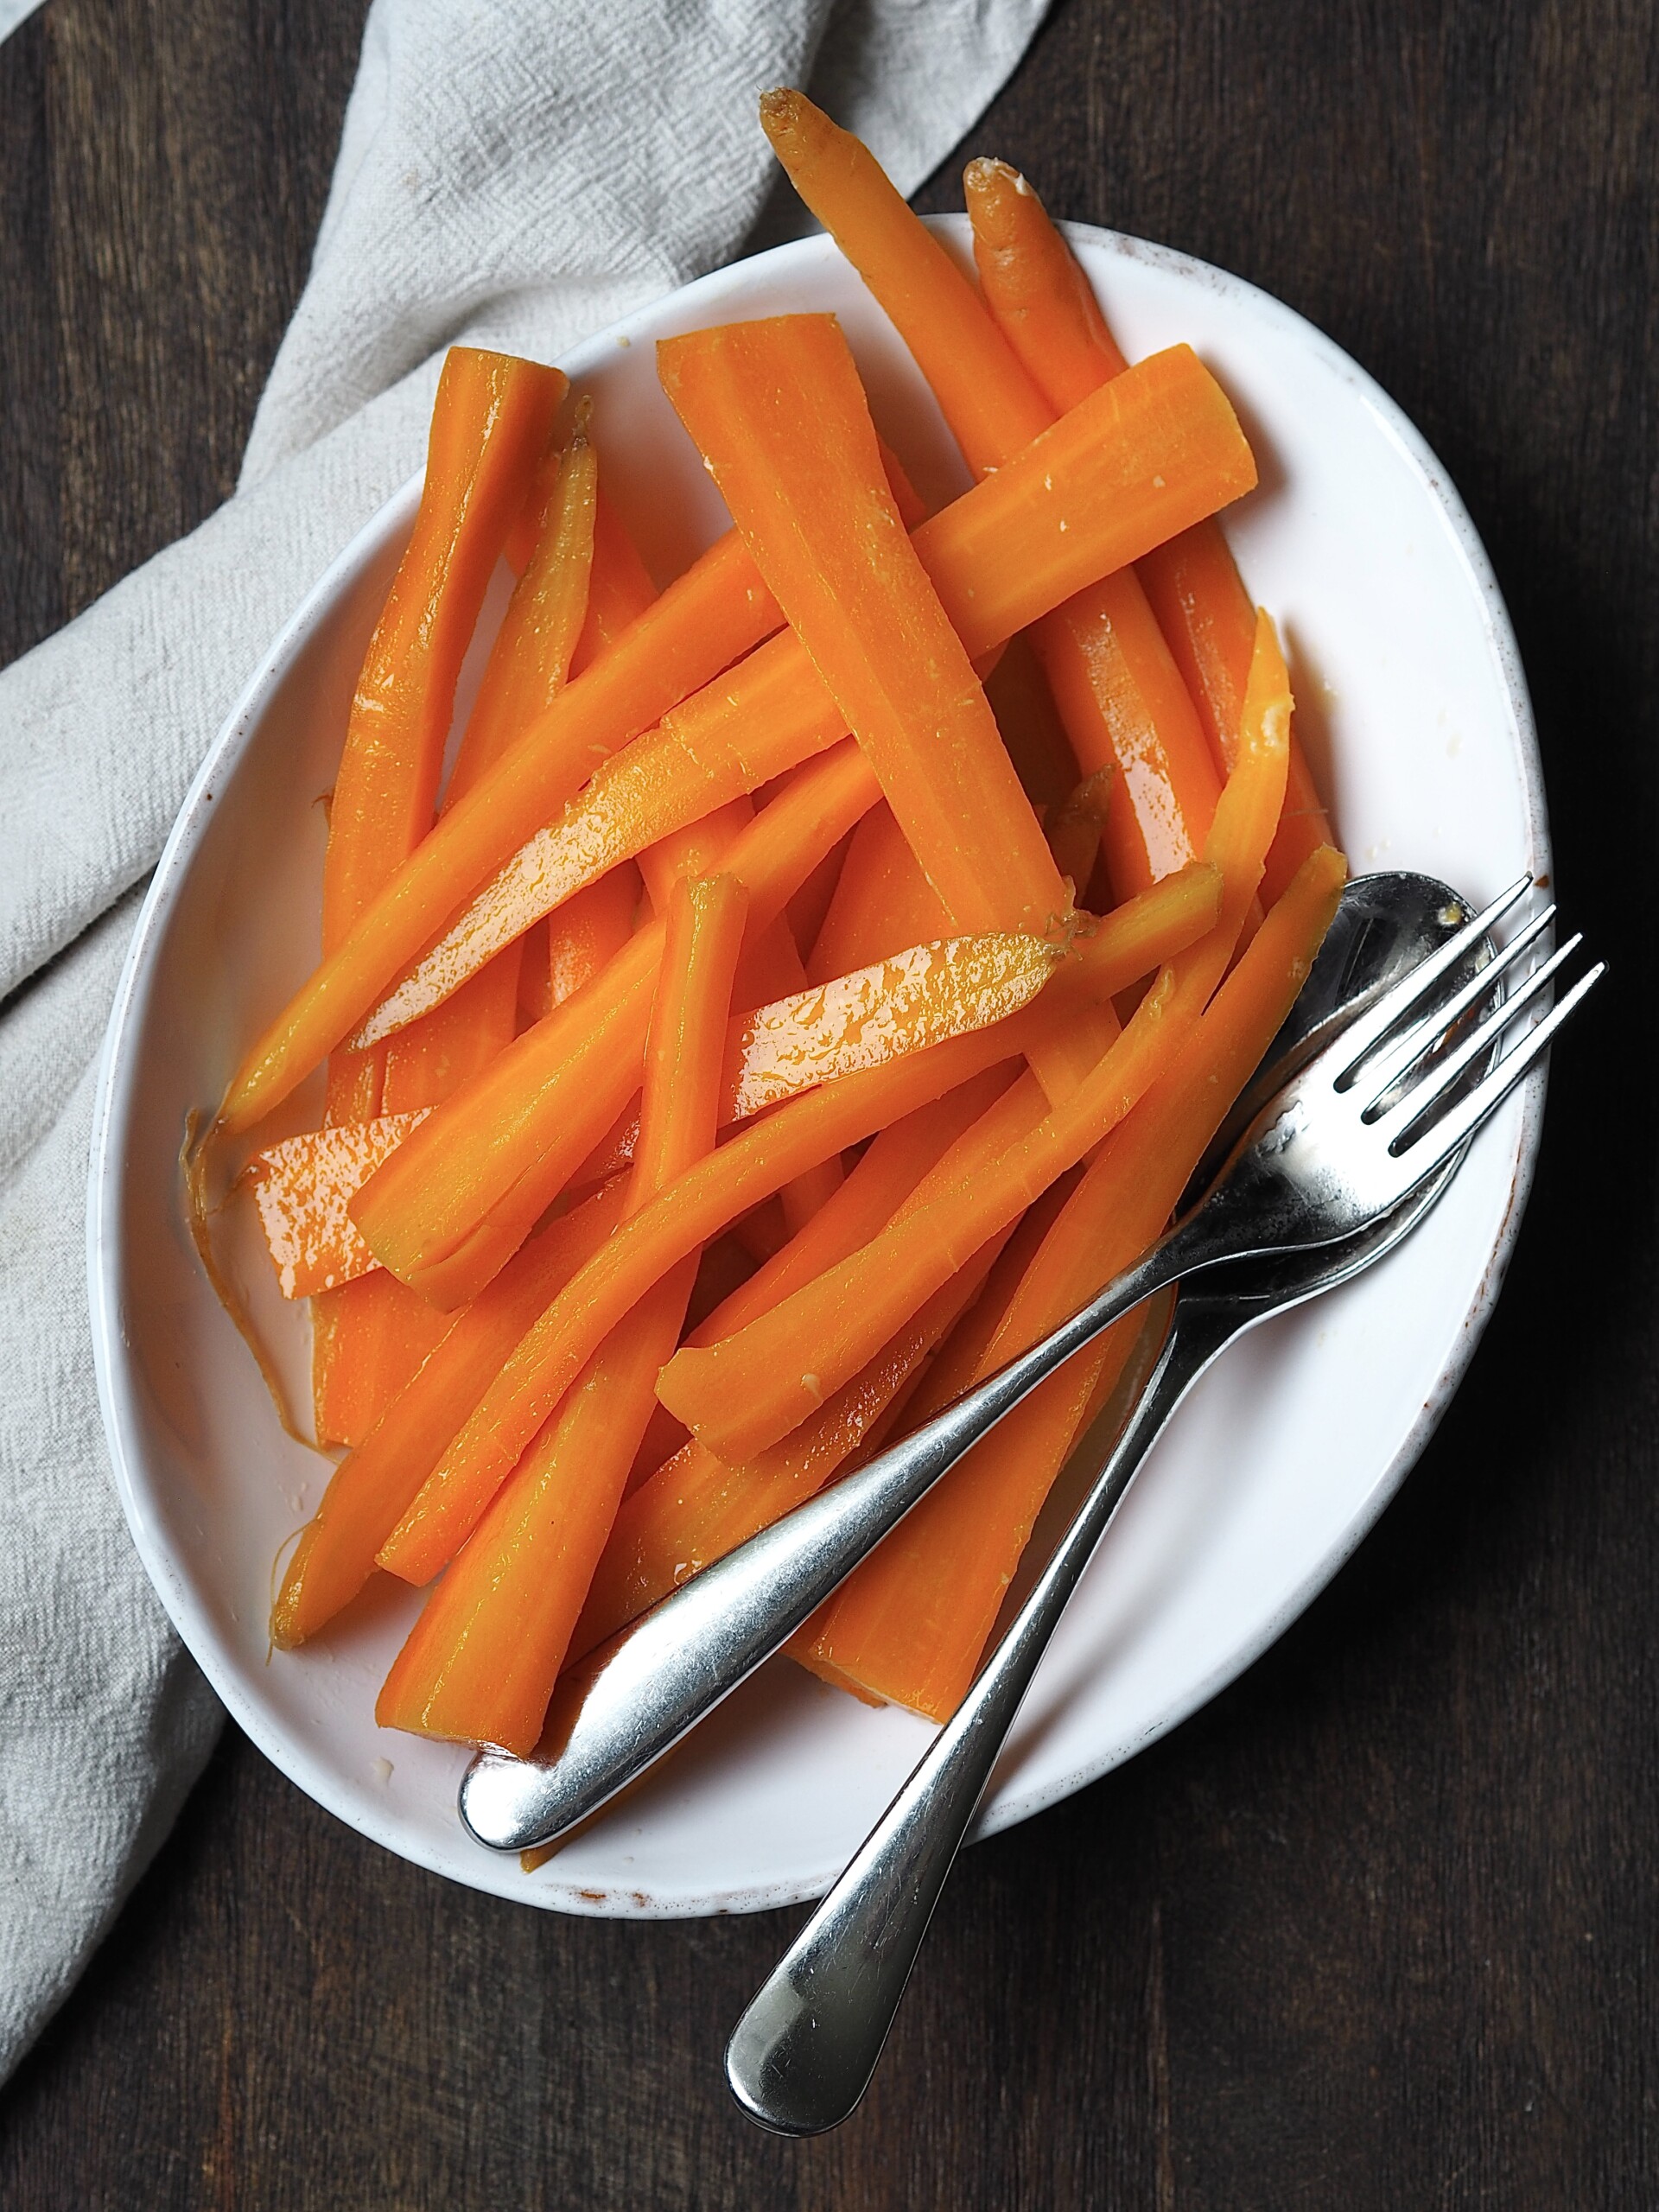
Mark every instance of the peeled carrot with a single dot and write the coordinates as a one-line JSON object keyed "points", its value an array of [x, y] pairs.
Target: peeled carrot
{"points": [[740, 1396], [301, 1188], [910, 1625], [927, 993], [780, 415], [312, 1180], [496, 1155], [991, 404], [1113, 679], [527, 666], [369, 1337], [708, 1198], [705, 620], [882, 902], [1082, 501], [490, 423], [371, 1489], [482, 1660], [893, 1163], [696, 1508], [1046, 308], [686, 1051]]}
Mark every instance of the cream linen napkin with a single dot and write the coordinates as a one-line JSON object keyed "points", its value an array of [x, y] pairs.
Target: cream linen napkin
{"points": [[511, 172]]}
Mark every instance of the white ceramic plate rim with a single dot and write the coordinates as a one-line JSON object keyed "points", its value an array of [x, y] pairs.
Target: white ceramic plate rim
{"points": [[115, 1077]]}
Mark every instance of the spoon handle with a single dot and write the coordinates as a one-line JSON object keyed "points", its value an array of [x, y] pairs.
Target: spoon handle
{"points": [[802, 2054], [693, 1648]]}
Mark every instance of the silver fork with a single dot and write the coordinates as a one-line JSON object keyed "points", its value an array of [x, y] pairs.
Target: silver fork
{"points": [[1347, 1139]]}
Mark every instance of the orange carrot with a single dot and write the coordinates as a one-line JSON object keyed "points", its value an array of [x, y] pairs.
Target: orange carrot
{"points": [[911, 1624], [780, 415], [494, 1157], [708, 1198], [927, 993], [882, 902], [686, 1054], [696, 1508], [1031, 725], [490, 423], [301, 1188], [1083, 501], [482, 1660], [528, 664], [369, 1337], [371, 1489], [740, 1396], [1046, 308], [1114, 682], [991, 404]]}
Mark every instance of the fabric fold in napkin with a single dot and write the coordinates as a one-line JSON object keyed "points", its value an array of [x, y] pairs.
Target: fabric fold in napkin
{"points": [[510, 173]]}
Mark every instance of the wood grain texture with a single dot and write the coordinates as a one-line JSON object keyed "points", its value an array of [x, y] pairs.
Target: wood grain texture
{"points": [[1377, 1929]]}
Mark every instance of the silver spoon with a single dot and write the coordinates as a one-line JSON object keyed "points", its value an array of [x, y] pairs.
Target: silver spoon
{"points": [[681, 1659]]}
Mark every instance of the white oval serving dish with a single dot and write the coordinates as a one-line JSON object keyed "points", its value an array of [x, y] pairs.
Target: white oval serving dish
{"points": [[1410, 697]]}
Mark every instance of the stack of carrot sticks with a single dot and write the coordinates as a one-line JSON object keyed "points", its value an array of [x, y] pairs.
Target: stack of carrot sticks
{"points": [[811, 982]]}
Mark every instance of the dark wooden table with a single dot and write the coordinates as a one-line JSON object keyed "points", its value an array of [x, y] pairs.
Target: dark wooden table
{"points": [[1377, 1930]]}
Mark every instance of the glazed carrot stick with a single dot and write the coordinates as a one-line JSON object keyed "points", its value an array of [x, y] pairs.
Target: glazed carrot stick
{"points": [[991, 404], [482, 1660], [489, 424], [882, 902], [1085, 499], [917, 998], [590, 930], [494, 1157], [1041, 301], [740, 1396], [705, 620], [894, 1162], [686, 1051], [301, 1188], [1113, 679], [527, 666], [850, 1310], [911, 1624], [368, 1337], [371, 1489], [696, 1508], [1046, 308], [778, 413], [708, 1198]]}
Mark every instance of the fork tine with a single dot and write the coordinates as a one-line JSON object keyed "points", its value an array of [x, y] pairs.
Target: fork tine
{"points": [[1438, 1082], [1362, 1035], [1386, 1067], [1442, 1138]]}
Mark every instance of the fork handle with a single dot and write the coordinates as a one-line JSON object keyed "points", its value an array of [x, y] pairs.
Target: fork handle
{"points": [[804, 2052], [695, 1647]]}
